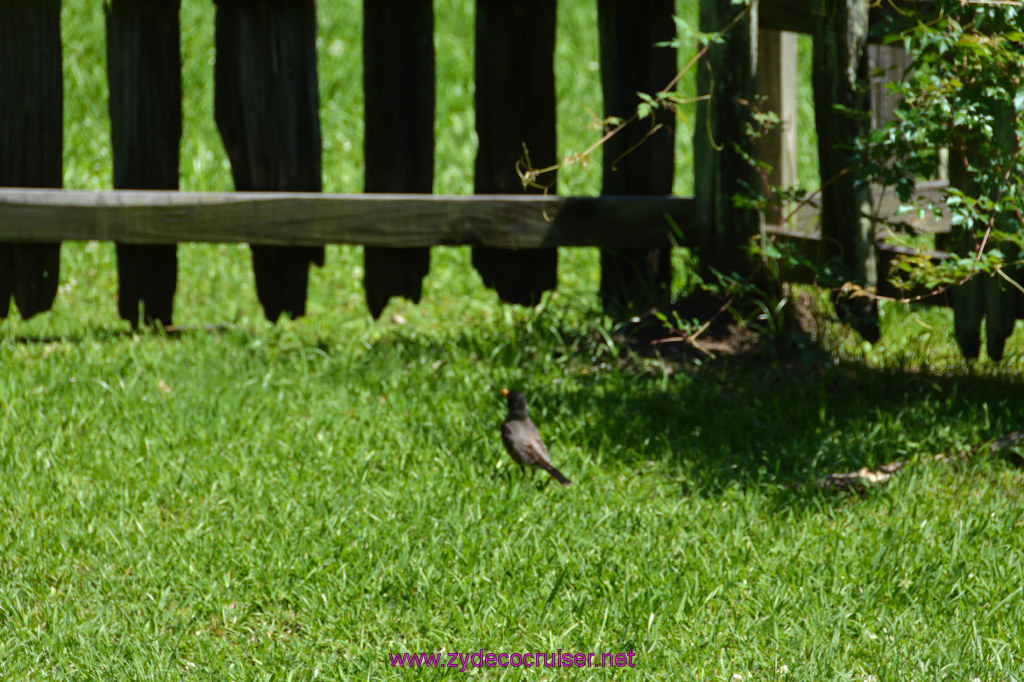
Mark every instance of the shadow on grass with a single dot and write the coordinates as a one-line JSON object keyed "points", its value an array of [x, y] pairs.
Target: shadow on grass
{"points": [[745, 421], [122, 332], [761, 417]]}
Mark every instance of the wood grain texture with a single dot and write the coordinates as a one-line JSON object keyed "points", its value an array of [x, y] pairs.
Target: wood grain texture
{"points": [[885, 204], [398, 79], [31, 142], [886, 64], [777, 83], [313, 219], [515, 113], [144, 72], [640, 158], [507, 221], [384, 220], [266, 103]]}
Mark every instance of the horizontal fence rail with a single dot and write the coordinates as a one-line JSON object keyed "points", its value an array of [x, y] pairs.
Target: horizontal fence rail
{"points": [[512, 221], [315, 219], [408, 220], [267, 110]]}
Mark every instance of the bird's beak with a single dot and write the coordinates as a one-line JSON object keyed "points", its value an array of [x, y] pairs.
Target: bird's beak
{"points": [[504, 391]]}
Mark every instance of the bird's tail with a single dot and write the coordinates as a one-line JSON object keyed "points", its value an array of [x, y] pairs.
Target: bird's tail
{"points": [[557, 475]]}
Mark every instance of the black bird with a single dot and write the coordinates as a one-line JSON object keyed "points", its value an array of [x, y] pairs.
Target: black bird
{"points": [[522, 440]]}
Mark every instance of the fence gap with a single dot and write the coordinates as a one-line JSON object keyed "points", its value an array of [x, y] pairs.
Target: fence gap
{"points": [[838, 73], [777, 84], [515, 106], [31, 141], [266, 105], [398, 79], [640, 159], [144, 71]]}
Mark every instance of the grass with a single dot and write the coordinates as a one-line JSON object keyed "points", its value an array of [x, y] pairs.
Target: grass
{"points": [[299, 500]]}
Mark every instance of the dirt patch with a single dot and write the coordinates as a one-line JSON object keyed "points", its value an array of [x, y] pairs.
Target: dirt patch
{"points": [[702, 325], [707, 326]]}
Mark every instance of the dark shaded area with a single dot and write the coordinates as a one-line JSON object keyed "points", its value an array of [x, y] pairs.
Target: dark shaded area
{"points": [[758, 417], [639, 160], [31, 141], [398, 79], [701, 325], [721, 139], [144, 72], [987, 298], [838, 76], [751, 419], [515, 115], [104, 334], [267, 109]]}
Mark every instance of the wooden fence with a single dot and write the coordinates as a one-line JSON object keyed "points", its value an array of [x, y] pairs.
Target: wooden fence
{"points": [[266, 108]]}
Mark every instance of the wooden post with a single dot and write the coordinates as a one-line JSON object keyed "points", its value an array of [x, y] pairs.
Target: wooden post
{"points": [[31, 139], [886, 64], [398, 79], [839, 69], [515, 113], [267, 109], [727, 74], [640, 159], [776, 82], [144, 70]]}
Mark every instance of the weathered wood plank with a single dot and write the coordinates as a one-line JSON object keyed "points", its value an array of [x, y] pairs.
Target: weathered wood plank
{"points": [[398, 47], [31, 141], [640, 158], [266, 104], [515, 108], [144, 67], [886, 64], [313, 219], [777, 83], [807, 218], [508, 221]]}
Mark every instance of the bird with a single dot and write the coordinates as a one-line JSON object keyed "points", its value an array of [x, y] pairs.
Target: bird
{"points": [[522, 440]]}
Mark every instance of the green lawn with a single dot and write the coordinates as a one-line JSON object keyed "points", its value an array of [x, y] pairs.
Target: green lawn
{"points": [[297, 501]]}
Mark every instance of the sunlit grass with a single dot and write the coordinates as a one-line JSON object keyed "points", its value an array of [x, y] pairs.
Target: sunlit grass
{"points": [[254, 501]]}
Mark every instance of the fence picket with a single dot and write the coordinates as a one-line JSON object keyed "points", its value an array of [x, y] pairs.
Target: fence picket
{"points": [[31, 141], [267, 108], [838, 71], [640, 159], [515, 106], [398, 63], [720, 139], [144, 71]]}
